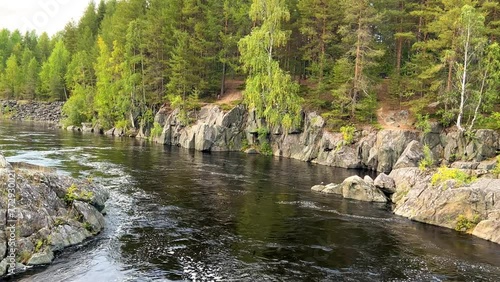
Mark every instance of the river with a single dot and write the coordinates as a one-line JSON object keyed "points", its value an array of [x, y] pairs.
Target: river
{"points": [[175, 214]]}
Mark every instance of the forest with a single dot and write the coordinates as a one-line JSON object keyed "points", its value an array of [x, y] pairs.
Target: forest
{"points": [[122, 60]]}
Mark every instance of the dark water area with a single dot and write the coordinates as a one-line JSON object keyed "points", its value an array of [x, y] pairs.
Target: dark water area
{"points": [[179, 215]]}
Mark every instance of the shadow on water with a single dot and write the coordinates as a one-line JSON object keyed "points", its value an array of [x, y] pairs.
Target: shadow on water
{"points": [[176, 214]]}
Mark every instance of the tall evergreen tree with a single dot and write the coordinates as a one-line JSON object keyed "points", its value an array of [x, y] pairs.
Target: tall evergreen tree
{"points": [[29, 72], [319, 23], [358, 35]]}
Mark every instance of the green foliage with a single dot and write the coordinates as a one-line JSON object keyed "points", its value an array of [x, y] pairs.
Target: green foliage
{"points": [[59, 221], [423, 124], [53, 73], [265, 149], [447, 117], [122, 124], [244, 144], [88, 226], [366, 108], [427, 161], [12, 78], [318, 23], [6, 112], [269, 89], [348, 133], [492, 122], [147, 117], [38, 246], [332, 121], [464, 224], [122, 59], [157, 130], [496, 170], [24, 256], [78, 108], [262, 132], [73, 193], [444, 174]]}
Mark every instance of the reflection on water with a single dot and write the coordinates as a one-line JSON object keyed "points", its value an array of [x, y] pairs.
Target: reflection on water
{"points": [[181, 215]]}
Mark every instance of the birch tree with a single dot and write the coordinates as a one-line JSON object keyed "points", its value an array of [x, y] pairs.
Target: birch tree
{"points": [[269, 90], [472, 45]]}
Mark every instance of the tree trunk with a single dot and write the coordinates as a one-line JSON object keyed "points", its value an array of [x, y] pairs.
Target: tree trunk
{"points": [[450, 76], [223, 82], [399, 52], [481, 93], [464, 81], [357, 72]]}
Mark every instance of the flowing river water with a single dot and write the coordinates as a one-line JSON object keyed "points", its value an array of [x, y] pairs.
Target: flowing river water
{"points": [[175, 214]]}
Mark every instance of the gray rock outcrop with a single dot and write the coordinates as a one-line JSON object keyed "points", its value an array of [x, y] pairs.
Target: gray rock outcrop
{"points": [[52, 211], [385, 183], [411, 156], [473, 206]]}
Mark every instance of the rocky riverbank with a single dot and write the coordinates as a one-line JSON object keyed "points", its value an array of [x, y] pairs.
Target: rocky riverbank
{"points": [[214, 129], [396, 152], [369, 148], [456, 199], [43, 213], [472, 208], [32, 111]]}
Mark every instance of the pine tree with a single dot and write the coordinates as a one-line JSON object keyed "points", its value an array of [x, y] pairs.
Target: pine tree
{"points": [[319, 23], [360, 17], [29, 72], [80, 71], [236, 24], [491, 9], [70, 37], [43, 48]]}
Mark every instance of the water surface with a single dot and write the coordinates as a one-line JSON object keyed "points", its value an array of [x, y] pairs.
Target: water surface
{"points": [[177, 215]]}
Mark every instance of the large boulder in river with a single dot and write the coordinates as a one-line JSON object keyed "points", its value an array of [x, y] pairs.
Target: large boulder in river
{"points": [[328, 189], [356, 188]]}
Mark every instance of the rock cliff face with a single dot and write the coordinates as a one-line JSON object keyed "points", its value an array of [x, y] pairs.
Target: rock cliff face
{"points": [[382, 150], [43, 213], [471, 208]]}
